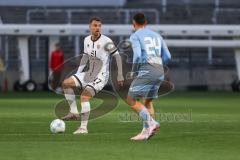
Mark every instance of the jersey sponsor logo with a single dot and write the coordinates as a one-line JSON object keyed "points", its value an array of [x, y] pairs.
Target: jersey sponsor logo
{"points": [[93, 53]]}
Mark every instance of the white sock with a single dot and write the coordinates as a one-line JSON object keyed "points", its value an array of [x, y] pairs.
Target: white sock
{"points": [[144, 114], [70, 97], [152, 122], [85, 112]]}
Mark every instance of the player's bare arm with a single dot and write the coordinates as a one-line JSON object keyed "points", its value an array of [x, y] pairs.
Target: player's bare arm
{"points": [[120, 78]]}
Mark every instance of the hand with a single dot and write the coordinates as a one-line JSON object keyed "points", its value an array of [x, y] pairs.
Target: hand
{"points": [[120, 80], [120, 83]]}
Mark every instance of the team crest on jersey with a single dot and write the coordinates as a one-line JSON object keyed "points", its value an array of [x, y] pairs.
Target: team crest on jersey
{"points": [[98, 46]]}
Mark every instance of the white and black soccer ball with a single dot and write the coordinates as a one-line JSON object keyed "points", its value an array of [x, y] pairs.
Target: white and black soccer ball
{"points": [[57, 126]]}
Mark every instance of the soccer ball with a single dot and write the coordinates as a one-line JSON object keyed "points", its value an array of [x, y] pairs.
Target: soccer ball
{"points": [[57, 126]]}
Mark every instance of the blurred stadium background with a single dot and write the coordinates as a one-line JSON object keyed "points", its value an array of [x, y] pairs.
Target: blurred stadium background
{"points": [[192, 68]]}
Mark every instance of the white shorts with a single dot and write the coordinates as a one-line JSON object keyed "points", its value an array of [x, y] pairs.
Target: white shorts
{"points": [[83, 80]]}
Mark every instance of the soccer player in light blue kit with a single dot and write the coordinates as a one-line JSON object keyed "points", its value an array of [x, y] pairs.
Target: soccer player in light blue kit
{"points": [[150, 53]]}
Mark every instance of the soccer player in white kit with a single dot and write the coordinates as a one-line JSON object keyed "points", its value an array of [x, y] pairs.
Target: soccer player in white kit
{"points": [[97, 54]]}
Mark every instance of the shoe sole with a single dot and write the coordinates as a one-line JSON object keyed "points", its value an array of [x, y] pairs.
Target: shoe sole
{"points": [[80, 133]]}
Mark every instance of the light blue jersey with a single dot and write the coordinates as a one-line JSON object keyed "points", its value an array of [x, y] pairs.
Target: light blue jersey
{"points": [[149, 48], [150, 53]]}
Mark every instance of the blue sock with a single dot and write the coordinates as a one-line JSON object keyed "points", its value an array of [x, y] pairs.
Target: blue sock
{"points": [[144, 114]]}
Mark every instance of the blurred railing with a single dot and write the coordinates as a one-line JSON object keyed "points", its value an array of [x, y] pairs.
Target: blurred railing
{"points": [[81, 16]]}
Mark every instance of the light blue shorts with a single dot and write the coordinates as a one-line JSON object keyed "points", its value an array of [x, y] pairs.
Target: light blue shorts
{"points": [[147, 83]]}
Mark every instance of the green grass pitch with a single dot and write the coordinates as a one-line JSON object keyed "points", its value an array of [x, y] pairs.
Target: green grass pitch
{"points": [[195, 126]]}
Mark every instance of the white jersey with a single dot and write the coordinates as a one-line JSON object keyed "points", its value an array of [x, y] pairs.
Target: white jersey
{"points": [[99, 53]]}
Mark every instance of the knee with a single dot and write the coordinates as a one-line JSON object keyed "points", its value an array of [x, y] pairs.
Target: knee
{"points": [[147, 103], [130, 101], [85, 98], [65, 84]]}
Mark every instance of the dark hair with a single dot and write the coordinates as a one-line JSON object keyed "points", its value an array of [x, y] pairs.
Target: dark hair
{"points": [[95, 19], [140, 18]]}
